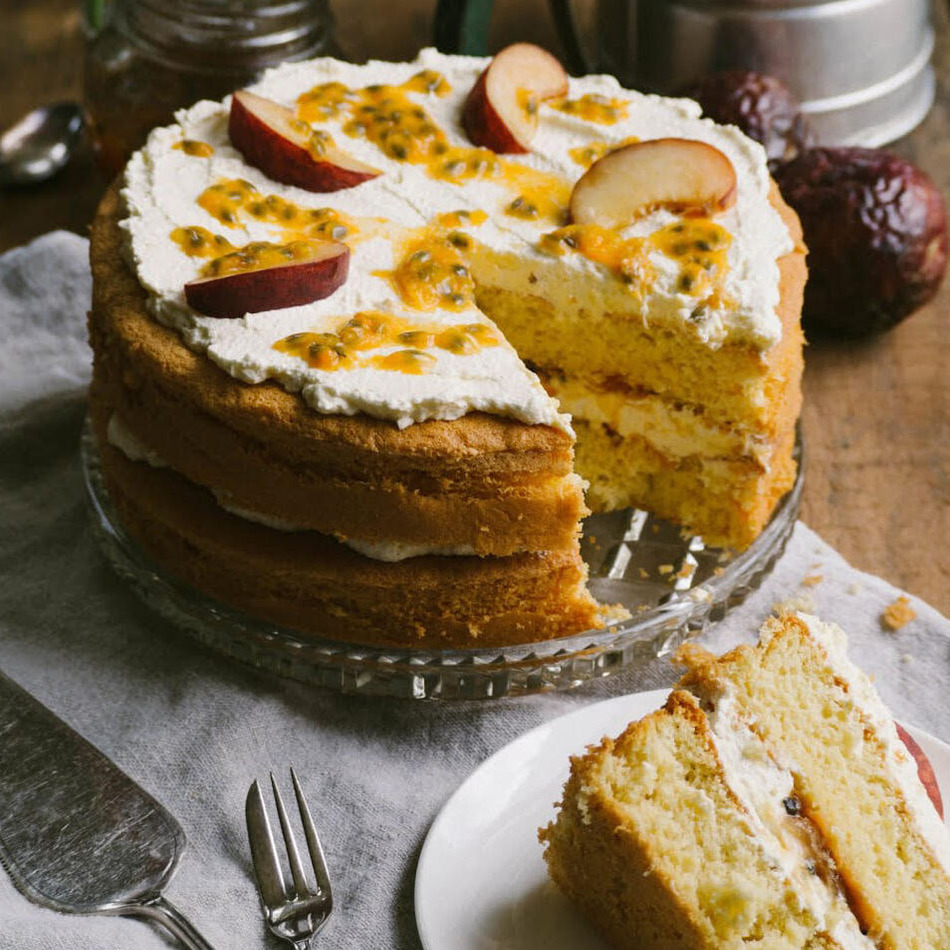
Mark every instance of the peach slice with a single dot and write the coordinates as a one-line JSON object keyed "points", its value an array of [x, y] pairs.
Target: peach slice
{"points": [[270, 277], [682, 175], [501, 111], [286, 149], [925, 771]]}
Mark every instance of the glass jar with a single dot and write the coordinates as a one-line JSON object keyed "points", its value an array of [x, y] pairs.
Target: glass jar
{"points": [[146, 58]]}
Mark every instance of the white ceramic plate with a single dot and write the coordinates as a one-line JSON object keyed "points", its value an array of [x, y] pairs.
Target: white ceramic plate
{"points": [[482, 884]]}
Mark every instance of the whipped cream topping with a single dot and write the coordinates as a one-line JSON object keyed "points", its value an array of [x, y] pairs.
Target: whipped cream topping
{"points": [[163, 183], [120, 436], [398, 551], [162, 188]]}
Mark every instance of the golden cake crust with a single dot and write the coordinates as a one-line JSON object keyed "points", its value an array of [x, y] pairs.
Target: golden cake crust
{"points": [[311, 583], [606, 869], [489, 483]]}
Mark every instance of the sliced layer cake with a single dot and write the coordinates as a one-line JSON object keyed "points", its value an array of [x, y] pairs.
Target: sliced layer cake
{"points": [[313, 309]]}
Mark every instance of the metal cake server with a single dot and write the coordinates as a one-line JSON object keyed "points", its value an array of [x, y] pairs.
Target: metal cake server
{"points": [[76, 833]]}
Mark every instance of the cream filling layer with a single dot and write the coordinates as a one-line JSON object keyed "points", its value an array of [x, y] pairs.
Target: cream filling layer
{"points": [[132, 447], [672, 430], [762, 786], [162, 184]]}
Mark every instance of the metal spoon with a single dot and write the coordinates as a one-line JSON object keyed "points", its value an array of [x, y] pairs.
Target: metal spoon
{"points": [[40, 144]]}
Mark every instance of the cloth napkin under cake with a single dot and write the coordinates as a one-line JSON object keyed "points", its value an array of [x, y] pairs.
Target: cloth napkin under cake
{"points": [[195, 729]]}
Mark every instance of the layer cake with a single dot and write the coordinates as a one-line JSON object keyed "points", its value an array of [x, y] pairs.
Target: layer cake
{"points": [[396, 417]]}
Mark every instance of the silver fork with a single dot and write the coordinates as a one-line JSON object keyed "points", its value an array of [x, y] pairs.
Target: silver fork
{"points": [[295, 914]]}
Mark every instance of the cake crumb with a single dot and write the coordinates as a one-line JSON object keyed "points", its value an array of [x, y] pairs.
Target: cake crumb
{"points": [[686, 570], [665, 568], [897, 614], [614, 613], [907, 658], [644, 573], [803, 603], [855, 588], [812, 580]]}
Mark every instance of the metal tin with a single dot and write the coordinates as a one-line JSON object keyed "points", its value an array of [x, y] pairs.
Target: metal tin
{"points": [[860, 67]]}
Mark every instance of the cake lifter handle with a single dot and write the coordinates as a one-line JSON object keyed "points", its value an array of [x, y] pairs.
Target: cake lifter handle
{"points": [[165, 913]]}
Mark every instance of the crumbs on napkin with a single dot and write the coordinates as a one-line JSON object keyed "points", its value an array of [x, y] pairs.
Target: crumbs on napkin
{"points": [[812, 580], [803, 602], [895, 615]]}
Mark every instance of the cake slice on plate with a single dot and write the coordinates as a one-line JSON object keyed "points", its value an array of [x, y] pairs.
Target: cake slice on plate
{"points": [[769, 804]]}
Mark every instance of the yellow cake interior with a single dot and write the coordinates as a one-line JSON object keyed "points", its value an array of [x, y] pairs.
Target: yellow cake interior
{"points": [[898, 882], [701, 436], [654, 861], [770, 803]]}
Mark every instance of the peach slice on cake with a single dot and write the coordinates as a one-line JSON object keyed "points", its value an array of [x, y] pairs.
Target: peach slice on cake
{"points": [[682, 175], [288, 150], [925, 771], [501, 111], [265, 276]]}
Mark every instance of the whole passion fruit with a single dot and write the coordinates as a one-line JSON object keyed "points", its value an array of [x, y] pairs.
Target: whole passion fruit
{"points": [[762, 106], [875, 226]]}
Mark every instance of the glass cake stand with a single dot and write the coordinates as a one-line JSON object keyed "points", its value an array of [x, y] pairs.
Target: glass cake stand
{"points": [[672, 584]]}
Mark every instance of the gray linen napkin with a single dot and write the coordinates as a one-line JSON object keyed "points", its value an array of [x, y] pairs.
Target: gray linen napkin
{"points": [[194, 729]]}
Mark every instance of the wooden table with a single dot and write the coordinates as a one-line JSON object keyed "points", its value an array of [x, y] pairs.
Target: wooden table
{"points": [[876, 417]]}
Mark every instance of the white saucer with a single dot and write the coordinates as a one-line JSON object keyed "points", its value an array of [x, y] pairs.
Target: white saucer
{"points": [[482, 884]]}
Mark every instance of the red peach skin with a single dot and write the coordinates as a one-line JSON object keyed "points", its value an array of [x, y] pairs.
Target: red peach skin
{"points": [[496, 113], [925, 770], [271, 288], [265, 133]]}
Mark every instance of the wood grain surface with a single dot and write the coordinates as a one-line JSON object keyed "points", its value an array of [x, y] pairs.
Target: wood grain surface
{"points": [[876, 417]]}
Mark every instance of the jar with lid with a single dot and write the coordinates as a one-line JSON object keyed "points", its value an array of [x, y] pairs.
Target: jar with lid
{"points": [[146, 58]]}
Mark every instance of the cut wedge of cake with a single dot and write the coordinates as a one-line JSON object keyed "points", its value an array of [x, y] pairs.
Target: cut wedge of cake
{"points": [[769, 804]]}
